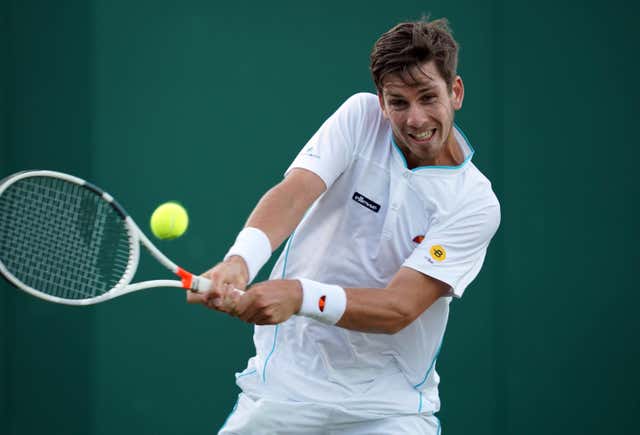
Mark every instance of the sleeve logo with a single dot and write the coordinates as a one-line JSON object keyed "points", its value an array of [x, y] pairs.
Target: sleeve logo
{"points": [[438, 253], [311, 152]]}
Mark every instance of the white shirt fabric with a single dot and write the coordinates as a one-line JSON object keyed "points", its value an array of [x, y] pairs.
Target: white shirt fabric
{"points": [[375, 217]]}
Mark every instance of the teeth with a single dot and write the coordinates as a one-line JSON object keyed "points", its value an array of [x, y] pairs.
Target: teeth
{"points": [[425, 135]]}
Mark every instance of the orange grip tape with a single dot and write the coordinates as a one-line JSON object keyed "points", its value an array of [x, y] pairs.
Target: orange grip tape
{"points": [[187, 278]]}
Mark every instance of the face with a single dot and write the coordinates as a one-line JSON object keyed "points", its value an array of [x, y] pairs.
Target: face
{"points": [[421, 109]]}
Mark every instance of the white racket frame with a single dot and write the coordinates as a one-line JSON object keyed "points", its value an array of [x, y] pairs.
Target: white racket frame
{"points": [[136, 237]]}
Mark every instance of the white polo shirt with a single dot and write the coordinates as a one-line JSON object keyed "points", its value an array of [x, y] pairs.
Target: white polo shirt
{"points": [[375, 217]]}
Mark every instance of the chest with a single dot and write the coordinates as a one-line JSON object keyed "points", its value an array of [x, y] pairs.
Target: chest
{"points": [[387, 210]]}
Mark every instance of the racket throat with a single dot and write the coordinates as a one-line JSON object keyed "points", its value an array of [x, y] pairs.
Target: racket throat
{"points": [[186, 278]]}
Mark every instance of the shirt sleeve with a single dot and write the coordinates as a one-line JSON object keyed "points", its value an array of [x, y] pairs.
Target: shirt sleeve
{"points": [[453, 251], [331, 149]]}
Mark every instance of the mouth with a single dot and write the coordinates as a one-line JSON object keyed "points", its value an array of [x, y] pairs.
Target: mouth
{"points": [[423, 136]]}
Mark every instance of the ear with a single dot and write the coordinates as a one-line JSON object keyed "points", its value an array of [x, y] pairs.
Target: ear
{"points": [[457, 93], [382, 106]]}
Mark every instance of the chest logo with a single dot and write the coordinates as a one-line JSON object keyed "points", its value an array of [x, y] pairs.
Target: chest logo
{"points": [[438, 253], [366, 202], [418, 239]]}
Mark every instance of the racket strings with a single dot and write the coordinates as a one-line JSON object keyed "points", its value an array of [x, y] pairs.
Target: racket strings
{"points": [[62, 239]]}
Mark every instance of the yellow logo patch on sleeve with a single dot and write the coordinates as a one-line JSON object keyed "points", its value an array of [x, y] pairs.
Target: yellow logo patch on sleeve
{"points": [[438, 253]]}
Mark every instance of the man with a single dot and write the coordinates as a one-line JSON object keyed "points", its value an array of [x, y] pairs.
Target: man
{"points": [[391, 221]]}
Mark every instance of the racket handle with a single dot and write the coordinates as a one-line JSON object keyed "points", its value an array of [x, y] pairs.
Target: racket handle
{"points": [[200, 284]]}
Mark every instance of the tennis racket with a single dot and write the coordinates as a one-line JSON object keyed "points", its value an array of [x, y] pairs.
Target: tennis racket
{"points": [[67, 241]]}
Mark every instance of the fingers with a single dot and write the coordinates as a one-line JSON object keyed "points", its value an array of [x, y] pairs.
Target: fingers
{"points": [[217, 298], [215, 303], [194, 298], [223, 275], [245, 305], [224, 299], [212, 302], [258, 306], [228, 299], [266, 303]]}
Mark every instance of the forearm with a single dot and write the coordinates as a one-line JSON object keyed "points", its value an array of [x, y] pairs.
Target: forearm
{"points": [[273, 219], [276, 214], [375, 310], [386, 310], [282, 208]]}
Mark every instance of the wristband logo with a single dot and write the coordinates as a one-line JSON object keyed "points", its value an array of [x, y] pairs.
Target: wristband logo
{"points": [[438, 253], [321, 303]]}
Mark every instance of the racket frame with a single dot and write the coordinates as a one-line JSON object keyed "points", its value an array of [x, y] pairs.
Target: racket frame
{"points": [[136, 238]]}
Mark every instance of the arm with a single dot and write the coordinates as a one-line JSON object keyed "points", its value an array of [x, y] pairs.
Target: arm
{"points": [[277, 214], [393, 308], [386, 310], [281, 209]]}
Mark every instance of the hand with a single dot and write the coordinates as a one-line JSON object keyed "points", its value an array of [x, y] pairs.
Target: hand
{"points": [[269, 302], [225, 277]]}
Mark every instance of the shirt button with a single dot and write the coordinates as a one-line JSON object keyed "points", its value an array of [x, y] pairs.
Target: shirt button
{"points": [[394, 206]]}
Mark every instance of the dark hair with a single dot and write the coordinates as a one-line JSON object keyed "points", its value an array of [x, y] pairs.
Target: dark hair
{"points": [[409, 44]]}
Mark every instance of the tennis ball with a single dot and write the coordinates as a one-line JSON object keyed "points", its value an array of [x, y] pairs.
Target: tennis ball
{"points": [[169, 220]]}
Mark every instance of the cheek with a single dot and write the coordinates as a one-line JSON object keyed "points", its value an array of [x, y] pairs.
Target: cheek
{"points": [[444, 113], [397, 120]]}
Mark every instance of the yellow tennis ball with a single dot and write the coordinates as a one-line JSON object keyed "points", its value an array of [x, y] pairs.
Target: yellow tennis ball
{"points": [[169, 220]]}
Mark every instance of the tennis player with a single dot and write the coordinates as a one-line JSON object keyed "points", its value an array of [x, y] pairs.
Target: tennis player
{"points": [[387, 220]]}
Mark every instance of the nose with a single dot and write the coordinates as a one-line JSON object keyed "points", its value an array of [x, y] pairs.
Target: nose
{"points": [[416, 116]]}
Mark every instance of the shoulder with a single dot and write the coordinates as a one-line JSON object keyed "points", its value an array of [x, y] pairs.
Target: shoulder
{"points": [[363, 104], [460, 197], [364, 99], [478, 201], [366, 120], [479, 187]]}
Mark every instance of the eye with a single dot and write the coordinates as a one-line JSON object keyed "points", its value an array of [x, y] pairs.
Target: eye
{"points": [[429, 98], [397, 104]]}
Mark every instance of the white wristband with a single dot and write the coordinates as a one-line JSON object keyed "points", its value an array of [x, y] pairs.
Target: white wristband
{"points": [[253, 245], [323, 302]]}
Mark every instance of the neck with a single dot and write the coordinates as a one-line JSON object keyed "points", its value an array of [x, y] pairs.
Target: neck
{"points": [[450, 155]]}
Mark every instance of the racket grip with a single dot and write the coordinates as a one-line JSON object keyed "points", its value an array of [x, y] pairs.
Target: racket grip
{"points": [[200, 284]]}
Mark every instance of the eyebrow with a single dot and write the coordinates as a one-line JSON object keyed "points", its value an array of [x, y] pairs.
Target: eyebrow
{"points": [[425, 88]]}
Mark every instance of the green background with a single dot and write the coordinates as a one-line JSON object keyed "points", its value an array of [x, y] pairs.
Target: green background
{"points": [[207, 104]]}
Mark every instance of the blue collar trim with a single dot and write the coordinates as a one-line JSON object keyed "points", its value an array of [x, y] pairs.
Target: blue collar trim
{"points": [[422, 168]]}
